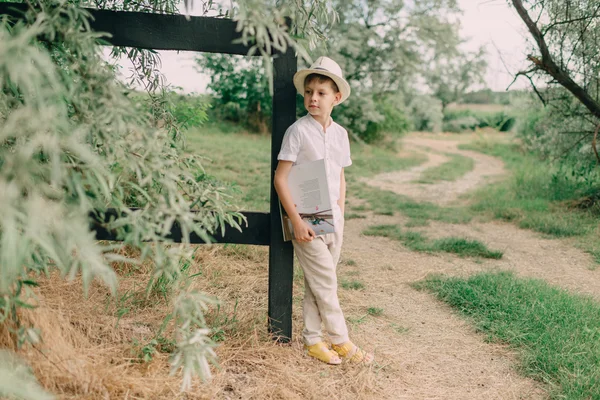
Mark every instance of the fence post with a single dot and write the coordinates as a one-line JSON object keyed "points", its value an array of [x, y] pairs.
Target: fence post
{"points": [[281, 254]]}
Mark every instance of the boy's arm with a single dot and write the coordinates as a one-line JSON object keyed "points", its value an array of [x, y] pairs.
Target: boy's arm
{"points": [[302, 232], [342, 199]]}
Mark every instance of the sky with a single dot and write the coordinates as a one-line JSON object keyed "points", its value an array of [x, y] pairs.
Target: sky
{"points": [[489, 23], [495, 25]]}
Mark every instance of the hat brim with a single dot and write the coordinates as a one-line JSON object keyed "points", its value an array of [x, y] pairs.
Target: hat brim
{"points": [[341, 83]]}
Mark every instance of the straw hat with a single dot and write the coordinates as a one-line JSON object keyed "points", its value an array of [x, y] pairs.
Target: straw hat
{"points": [[323, 66]]}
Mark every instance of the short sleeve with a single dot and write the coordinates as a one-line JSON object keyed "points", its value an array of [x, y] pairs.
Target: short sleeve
{"points": [[346, 159], [290, 147]]}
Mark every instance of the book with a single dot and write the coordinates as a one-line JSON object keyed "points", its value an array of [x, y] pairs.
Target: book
{"points": [[310, 191]]}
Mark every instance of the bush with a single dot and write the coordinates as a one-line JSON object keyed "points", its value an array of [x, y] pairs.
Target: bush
{"points": [[558, 130], [368, 118], [469, 120], [461, 124], [395, 120], [361, 117], [487, 96], [426, 113], [241, 90], [189, 110]]}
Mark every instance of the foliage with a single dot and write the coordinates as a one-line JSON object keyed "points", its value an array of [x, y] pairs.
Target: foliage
{"points": [[241, 89], [452, 73], [556, 333], [566, 35], [555, 133], [379, 45], [189, 111], [487, 96], [387, 49], [17, 381], [469, 120], [242, 96], [395, 119], [360, 116], [426, 113], [73, 144]]}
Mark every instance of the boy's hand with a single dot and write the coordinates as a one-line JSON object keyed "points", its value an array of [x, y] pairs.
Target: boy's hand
{"points": [[302, 232]]}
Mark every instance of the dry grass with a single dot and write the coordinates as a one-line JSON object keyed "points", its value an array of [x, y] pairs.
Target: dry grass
{"points": [[90, 353]]}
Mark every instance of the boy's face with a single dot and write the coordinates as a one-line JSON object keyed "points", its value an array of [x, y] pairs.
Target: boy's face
{"points": [[320, 97]]}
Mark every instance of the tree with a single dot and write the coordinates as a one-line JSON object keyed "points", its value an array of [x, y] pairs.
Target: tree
{"points": [[565, 57], [386, 48], [384, 44], [241, 89], [74, 140], [450, 76], [390, 48]]}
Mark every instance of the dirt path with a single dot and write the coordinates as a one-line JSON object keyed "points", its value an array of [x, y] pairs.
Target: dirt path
{"points": [[431, 351], [443, 192]]}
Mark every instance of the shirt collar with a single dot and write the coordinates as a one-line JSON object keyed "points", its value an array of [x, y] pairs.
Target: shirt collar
{"points": [[317, 124]]}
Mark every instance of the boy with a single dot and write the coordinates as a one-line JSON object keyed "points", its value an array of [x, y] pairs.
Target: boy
{"points": [[313, 137]]}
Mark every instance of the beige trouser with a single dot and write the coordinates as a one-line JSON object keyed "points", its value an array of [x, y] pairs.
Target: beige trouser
{"points": [[318, 260]]}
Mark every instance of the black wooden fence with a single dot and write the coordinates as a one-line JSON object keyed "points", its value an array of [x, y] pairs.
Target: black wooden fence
{"points": [[216, 35]]}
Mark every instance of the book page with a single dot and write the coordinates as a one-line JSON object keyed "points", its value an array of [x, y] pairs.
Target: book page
{"points": [[310, 192]]}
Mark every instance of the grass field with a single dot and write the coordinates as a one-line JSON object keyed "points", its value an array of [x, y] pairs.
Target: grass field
{"points": [[533, 196], [238, 158]]}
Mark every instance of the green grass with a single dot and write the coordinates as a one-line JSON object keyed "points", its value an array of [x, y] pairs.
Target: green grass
{"points": [[356, 320], [375, 311], [352, 215], [352, 285], [416, 241], [238, 158], [448, 171], [556, 333], [465, 248]]}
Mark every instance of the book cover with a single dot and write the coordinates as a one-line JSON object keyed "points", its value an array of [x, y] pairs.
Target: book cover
{"points": [[310, 192]]}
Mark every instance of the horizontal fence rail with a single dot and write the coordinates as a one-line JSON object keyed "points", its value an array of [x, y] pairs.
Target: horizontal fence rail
{"points": [[158, 31], [257, 231]]}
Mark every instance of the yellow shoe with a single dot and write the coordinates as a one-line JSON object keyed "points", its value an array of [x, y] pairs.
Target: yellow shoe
{"points": [[352, 353], [321, 352]]}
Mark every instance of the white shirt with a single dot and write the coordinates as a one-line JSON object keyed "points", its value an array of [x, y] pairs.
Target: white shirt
{"points": [[306, 140]]}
